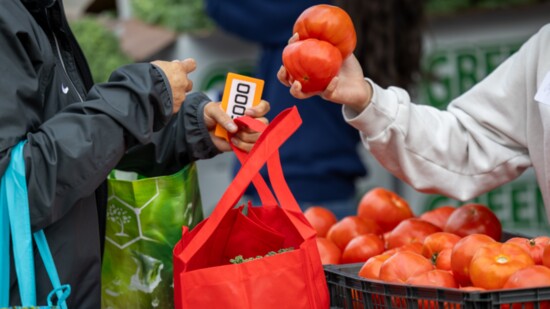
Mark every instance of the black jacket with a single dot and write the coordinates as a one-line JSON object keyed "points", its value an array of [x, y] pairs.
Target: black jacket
{"points": [[78, 132]]}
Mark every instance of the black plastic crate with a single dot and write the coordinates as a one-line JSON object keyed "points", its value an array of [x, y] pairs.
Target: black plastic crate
{"points": [[349, 291]]}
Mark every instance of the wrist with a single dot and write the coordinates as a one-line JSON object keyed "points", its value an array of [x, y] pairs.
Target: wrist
{"points": [[365, 99]]}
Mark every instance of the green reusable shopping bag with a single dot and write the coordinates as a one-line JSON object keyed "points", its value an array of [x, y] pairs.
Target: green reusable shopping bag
{"points": [[144, 221]]}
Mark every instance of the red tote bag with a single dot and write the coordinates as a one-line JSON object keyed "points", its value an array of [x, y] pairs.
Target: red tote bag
{"points": [[204, 276]]}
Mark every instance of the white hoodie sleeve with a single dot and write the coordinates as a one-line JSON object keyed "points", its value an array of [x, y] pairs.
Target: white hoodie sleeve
{"points": [[478, 143]]}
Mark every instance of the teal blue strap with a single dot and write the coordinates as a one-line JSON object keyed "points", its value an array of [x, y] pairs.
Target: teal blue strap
{"points": [[18, 209], [49, 264], [4, 249]]}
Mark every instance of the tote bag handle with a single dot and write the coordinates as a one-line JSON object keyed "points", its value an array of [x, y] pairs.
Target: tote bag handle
{"points": [[279, 130], [14, 207]]}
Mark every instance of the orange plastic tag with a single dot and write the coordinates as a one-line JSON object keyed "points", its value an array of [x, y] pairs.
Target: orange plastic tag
{"points": [[240, 92]]}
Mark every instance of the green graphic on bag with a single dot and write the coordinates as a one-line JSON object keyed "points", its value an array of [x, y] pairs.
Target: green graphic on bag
{"points": [[144, 221]]}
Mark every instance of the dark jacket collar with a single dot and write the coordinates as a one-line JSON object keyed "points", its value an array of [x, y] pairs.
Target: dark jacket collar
{"points": [[38, 4]]}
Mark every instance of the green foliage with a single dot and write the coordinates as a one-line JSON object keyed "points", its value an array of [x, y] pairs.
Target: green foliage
{"points": [[177, 15], [240, 259], [100, 46], [452, 6]]}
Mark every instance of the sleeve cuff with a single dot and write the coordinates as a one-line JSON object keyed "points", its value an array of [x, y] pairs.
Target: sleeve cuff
{"points": [[378, 115]]}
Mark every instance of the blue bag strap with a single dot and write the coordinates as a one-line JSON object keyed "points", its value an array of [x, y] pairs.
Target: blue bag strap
{"points": [[14, 187], [44, 250], [4, 248], [20, 223]]}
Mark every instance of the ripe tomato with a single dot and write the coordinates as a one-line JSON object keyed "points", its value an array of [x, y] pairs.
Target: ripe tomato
{"points": [[312, 62], [443, 259], [371, 268], [438, 216], [343, 231], [409, 231], [434, 277], [546, 255], [402, 265], [435, 243], [320, 218], [535, 246], [362, 247], [327, 23], [462, 254], [529, 277], [474, 219], [384, 206], [329, 252], [493, 264]]}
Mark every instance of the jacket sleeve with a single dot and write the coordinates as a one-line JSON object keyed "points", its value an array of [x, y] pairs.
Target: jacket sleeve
{"points": [[184, 140], [71, 150], [477, 144], [70, 154]]}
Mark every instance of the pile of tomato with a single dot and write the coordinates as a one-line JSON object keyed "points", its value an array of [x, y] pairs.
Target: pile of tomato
{"points": [[451, 247]]}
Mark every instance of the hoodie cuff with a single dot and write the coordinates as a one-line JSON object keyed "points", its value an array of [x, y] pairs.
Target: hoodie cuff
{"points": [[378, 115]]}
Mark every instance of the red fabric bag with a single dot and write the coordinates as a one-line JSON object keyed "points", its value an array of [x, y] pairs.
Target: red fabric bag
{"points": [[203, 274]]}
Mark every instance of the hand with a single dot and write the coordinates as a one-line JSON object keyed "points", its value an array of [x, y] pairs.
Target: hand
{"points": [[243, 138], [348, 87], [176, 71]]}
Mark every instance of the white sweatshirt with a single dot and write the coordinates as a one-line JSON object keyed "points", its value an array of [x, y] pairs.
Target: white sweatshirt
{"points": [[486, 137]]}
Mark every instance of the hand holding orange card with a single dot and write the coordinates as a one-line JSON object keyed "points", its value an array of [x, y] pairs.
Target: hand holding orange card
{"points": [[240, 92]]}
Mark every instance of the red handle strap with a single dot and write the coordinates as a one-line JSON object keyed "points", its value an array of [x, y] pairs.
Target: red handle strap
{"points": [[268, 144]]}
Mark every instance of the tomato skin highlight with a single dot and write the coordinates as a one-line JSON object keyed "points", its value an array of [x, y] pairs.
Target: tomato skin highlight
{"points": [[312, 62]]}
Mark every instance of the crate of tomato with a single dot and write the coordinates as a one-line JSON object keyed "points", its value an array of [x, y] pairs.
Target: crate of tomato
{"points": [[450, 257]]}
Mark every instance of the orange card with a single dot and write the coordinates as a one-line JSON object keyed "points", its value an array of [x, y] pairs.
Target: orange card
{"points": [[240, 92]]}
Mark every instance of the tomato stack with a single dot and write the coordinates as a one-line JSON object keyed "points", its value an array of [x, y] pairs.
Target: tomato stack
{"points": [[326, 36], [451, 247]]}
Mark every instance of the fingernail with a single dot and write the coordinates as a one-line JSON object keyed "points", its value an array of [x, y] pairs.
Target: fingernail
{"points": [[249, 112], [231, 127]]}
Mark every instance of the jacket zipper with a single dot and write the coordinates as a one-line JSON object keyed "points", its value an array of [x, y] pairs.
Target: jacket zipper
{"points": [[58, 50]]}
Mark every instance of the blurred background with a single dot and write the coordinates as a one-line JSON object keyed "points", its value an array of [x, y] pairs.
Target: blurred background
{"points": [[464, 40]]}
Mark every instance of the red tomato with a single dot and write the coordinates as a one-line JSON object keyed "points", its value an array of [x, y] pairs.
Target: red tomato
{"points": [[371, 268], [434, 277], [402, 265], [529, 277], [462, 254], [435, 243], [362, 247], [409, 231], [438, 216], [320, 218], [493, 264], [343, 231], [312, 62], [384, 206], [535, 246], [327, 23], [546, 255], [474, 219], [329, 252], [443, 259]]}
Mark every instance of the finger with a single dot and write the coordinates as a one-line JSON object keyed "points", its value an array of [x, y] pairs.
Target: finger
{"points": [[215, 112], [296, 91], [331, 88], [189, 85], [241, 144], [246, 137], [189, 65], [295, 37], [259, 110], [282, 76], [221, 144]]}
